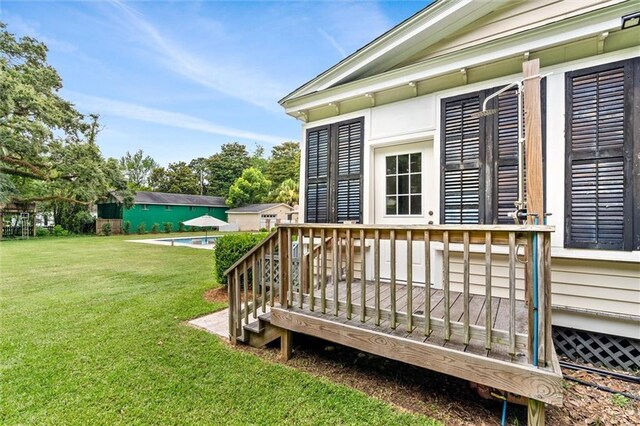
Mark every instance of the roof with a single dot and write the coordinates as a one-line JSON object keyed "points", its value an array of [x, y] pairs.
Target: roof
{"points": [[390, 61], [395, 44], [145, 197], [257, 208]]}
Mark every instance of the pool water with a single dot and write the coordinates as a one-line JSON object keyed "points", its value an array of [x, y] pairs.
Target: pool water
{"points": [[189, 240]]}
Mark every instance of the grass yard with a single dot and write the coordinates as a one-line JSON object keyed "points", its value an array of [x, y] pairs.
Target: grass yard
{"points": [[92, 332]]}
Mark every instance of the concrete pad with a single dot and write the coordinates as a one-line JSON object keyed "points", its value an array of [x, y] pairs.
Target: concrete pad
{"points": [[216, 323]]}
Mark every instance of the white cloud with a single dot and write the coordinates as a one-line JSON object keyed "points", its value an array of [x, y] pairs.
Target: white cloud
{"points": [[352, 24], [224, 75], [166, 118], [332, 41]]}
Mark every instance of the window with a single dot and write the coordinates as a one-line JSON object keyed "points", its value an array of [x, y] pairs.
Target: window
{"points": [[334, 172], [404, 184], [167, 207], [479, 158], [268, 216], [144, 207], [601, 118]]}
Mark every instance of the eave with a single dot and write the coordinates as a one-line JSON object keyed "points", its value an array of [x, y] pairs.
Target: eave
{"points": [[428, 26], [558, 32]]}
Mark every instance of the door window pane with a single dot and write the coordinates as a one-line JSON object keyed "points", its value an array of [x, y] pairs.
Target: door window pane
{"points": [[403, 204], [391, 185], [391, 165], [403, 184], [391, 205], [403, 164]]}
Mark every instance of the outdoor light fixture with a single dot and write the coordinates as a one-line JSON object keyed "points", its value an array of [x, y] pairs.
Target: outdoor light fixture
{"points": [[630, 21]]}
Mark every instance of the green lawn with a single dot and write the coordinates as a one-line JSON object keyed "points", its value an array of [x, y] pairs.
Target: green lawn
{"points": [[92, 332]]}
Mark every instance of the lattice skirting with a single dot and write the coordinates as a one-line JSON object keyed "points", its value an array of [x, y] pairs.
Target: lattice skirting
{"points": [[597, 348]]}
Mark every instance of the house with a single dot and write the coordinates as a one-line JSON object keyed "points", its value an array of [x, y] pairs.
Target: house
{"points": [[410, 172], [150, 208], [400, 110], [254, 217]]}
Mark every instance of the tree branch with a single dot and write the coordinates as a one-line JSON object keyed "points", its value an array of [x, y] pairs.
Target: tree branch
{"points": [[20, 173], [35, 172], [49, 198]]}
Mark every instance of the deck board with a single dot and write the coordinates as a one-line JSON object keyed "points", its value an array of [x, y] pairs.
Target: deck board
{"points": [[542, 384], [477, 307]]}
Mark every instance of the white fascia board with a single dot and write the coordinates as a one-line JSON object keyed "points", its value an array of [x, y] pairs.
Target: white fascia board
{"points": [[543, 37], [422, 23]]}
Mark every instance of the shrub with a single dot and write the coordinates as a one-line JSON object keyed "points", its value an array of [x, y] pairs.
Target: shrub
{"points": [[168, 227], [181, 227], [142, 228], [155, 228], [263, 229], [126, 227], [42, 232], [106, 229], [229, 249], [59, 231]]}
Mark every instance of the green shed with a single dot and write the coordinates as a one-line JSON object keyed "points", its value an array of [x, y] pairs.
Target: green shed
{"points": [[161, 207]]}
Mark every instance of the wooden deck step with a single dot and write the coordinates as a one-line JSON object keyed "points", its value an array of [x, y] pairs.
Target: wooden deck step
{"points": [[266, 317], [254, 327]]}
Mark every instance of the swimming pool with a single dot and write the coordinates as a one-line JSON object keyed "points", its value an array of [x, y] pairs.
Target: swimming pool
{"points": [[191, 240]]}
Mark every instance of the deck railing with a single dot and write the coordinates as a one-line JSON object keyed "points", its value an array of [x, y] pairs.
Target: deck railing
{"points": [[337, 270]]}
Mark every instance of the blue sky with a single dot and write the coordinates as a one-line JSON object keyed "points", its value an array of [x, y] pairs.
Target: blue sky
{"points": [[178, 79]]}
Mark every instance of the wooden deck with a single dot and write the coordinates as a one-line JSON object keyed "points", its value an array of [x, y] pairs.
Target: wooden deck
{"points": [[307, 276], [477, 304]]}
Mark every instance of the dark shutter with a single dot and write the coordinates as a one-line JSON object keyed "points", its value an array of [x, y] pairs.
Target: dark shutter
{"points": [[599, 178], [507, 155], [317, 194], [461, 161], [334, 172], [349, 139]]}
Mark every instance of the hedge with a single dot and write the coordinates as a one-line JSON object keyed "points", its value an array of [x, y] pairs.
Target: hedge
{"points": [[230, 248]]}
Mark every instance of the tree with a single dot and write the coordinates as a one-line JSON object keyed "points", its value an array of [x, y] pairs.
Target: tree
{"points": [[225, 167], [251, 187], [180, 179], [288, 192], [257, 159], [157, 179], [199, 168], [284, 163], [137, 168], [48, 149]]}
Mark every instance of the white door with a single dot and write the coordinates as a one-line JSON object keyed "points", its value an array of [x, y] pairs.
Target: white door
{"points": [[403, 196]]}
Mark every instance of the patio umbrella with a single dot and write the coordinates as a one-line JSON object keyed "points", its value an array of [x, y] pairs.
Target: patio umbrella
{"points": [[205, 222]]}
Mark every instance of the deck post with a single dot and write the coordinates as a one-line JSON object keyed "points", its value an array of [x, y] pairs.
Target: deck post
{"points": [[533, 139], [286, 344], [284, 242], [535, 413]]}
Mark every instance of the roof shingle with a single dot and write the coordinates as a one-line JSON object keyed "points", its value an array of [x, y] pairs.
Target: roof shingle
{"points": [[145, 197], [255, 208]]}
